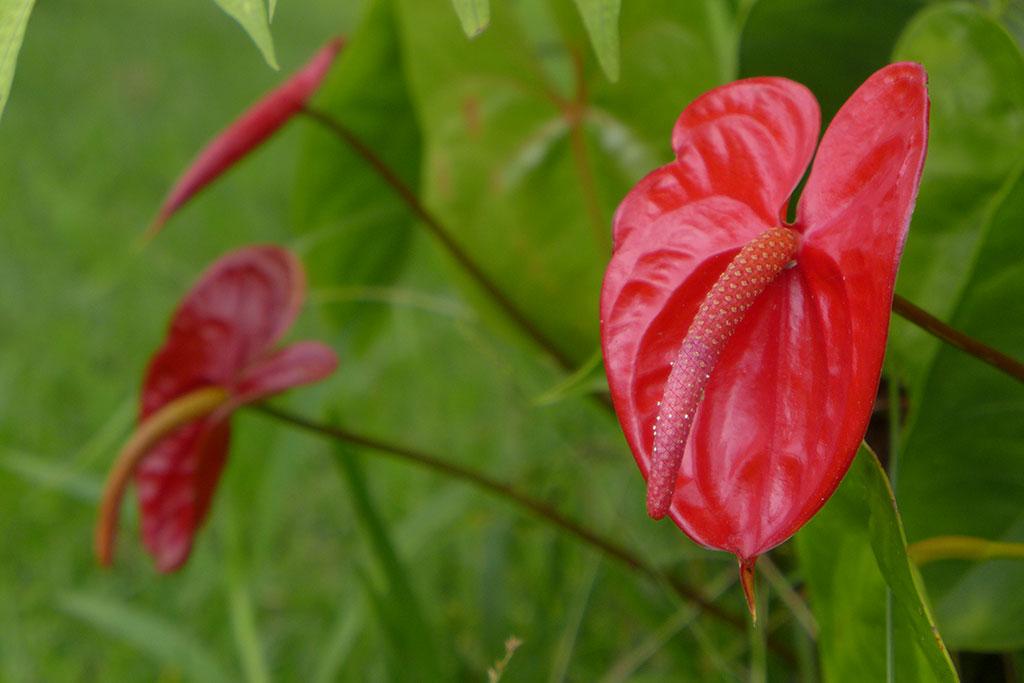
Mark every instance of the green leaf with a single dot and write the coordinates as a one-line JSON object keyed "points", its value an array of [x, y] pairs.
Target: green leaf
{"points": [[252, 15], [960, 463], [13, 20], [851, 553], [961, 470], [601, 17], [151, 634], [356, 232], [504, 127], [976, 85], [831, 46], [474, 15]]}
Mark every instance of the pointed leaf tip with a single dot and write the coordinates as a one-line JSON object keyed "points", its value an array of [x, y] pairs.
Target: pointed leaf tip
{"points": [[601, 19], [474, 15]]}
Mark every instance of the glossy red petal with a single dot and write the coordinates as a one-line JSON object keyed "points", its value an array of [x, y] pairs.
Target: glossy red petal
{"points": [[652, 289], [856, 208], [766, 447], [248, 131], [300, 363], [750, 141]]}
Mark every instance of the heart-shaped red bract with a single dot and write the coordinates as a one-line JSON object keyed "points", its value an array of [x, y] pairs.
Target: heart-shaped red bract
{"points": [[789, 397], [222, 335]]}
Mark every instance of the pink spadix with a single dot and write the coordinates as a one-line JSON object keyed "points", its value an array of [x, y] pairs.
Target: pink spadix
{"points": [[751, 271]]}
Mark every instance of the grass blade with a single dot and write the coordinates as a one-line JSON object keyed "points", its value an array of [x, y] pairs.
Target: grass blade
{"points": [[150, 634]]}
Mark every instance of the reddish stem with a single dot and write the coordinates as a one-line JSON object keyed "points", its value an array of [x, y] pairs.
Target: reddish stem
{"points": [[538, 508]]}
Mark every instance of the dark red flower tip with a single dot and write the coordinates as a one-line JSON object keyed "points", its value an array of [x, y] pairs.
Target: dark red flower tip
{"points": [[219, 354], [761, 363], [248, 131]]}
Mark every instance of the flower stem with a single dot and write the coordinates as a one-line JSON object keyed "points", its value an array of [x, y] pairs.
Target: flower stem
{"points": [[540, 509], [932, 325]]}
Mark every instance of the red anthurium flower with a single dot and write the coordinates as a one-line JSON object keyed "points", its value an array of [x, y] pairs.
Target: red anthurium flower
{"points": [[219, 354], [248, 131], [743, 352]]}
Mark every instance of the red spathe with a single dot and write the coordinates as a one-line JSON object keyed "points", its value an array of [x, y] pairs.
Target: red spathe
{"points": [[789, 399]]}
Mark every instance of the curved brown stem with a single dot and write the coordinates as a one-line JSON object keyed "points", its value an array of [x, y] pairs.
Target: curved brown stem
{"points": [[969, 345], [538, 508], [441, 233]]}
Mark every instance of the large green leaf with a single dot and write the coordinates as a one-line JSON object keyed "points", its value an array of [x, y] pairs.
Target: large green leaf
{"points": [[976, 84], [252, 15], [355, 229], [526, 169], [831, 46], [961, 467], [853, 553], [13, 20], [960, 470]]}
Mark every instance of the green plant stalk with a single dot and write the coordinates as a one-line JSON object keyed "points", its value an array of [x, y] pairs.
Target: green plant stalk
{"points": [[963, 548], [399, 602], [895, 424]]}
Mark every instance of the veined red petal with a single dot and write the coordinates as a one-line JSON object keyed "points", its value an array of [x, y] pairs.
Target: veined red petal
{"points": [[764, 452], [749, 141], [175, 484], [248, 131], [856, 208], [746, 277], [232, 316], [651, 292], [297, 364], [226, 323]]}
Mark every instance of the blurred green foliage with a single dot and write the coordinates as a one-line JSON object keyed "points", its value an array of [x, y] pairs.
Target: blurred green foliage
{"points": [[325, 563]]}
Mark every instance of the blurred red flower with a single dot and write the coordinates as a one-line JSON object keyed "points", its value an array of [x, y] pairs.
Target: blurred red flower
{"points": [[744, 352], [219, 355]]}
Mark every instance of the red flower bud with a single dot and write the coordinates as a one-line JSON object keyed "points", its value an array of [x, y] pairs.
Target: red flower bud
{"points": [[248, 131]]}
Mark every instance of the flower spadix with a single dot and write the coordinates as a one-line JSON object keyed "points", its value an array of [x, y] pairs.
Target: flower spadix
{"points": [[743, 352], [220, 353]]}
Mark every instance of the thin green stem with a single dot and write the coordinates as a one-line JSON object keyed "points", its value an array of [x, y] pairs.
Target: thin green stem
{"points": [[895, 423], [540, 509]]}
